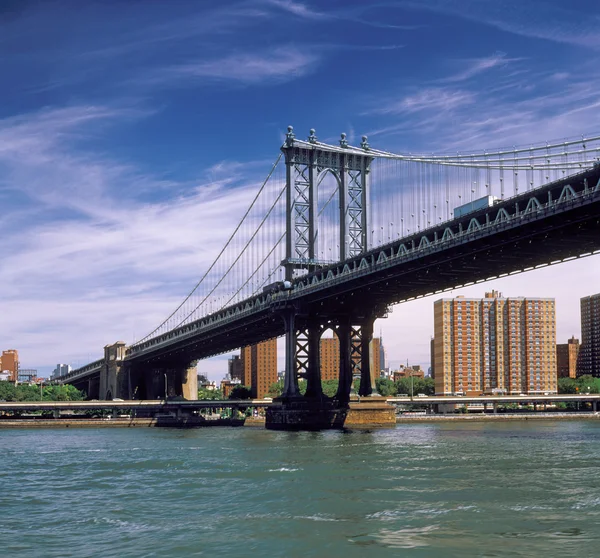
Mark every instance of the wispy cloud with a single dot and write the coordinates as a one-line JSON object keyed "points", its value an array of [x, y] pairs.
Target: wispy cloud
{"points": [[282, 64], [540, 20], [476, 66], [429, 99], [298, 9], [93, 249], [519, 108], [348, 14]]}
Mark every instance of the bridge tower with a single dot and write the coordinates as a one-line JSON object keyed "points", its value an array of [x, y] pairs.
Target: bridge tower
{"points": [[307, 164]]}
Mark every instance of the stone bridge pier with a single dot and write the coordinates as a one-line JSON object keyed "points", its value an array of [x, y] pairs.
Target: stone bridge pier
{"points": [[123, 379], [313, 410]]}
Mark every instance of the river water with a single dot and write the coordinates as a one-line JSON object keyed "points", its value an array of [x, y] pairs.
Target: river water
{"points": [[444, 489]]}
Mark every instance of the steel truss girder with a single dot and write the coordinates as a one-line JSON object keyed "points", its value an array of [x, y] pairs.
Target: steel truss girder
{"points": [[354, 335], [306, 166]]}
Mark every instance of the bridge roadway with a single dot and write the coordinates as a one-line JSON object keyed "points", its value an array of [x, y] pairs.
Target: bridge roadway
{"points": [[534, 229], [554, 223], [162, 405]]}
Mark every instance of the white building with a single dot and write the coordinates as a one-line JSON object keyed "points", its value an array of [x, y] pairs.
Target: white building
{"points": [[60, 370]]}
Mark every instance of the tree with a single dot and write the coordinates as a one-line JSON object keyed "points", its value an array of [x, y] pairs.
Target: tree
{"points": [[241, 392], [415, 386], [588, 384], [386, 387], [210, 394], [275, 389], [567, 385], [329, 387], [26, 392]]}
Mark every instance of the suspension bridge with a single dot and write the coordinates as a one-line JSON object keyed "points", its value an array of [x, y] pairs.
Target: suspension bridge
{"points": [[336, 234]]}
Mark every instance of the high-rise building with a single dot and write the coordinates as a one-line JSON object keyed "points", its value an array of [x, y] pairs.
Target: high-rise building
{"points": [[246, 366], [495, 345], [259, 367], [566, 358], [330, 358], [60, 370], [383, 365], [234, 365], [375, 354], [589, 356], [432, 358], [10, 363]]}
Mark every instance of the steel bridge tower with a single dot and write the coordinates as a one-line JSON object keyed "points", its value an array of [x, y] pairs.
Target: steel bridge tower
{"points": [[307, 164]]}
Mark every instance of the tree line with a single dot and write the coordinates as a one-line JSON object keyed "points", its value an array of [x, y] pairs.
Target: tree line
{"points": [[26, 392]]}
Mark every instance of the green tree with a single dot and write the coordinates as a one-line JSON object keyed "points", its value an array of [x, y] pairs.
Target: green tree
{"points": [[588, 384], [275, 389], [329, 387], [386, 387], [26, 392], [415, 386], [7, 391], [210, 394], [567, 385], [241, 392]]}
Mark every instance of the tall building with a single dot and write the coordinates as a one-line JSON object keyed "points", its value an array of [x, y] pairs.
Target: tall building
{"points": [[10, 363], [375, 354], [589, 357], [383, 365], [60, 370], [432, 358], [259, 367], [246, 366], [566, 358], [234, 365], [330, 358], [495, 345]]}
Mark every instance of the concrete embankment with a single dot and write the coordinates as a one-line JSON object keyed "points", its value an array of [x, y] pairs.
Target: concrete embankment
{"points": [[496, 417], [114, 423]]}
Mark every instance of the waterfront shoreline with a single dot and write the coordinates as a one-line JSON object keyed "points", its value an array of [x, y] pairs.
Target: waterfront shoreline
{"points": [[497, 417], [7, 424]]}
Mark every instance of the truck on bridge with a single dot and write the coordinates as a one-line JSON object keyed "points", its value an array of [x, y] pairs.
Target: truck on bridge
{"points": [[475, 205]]}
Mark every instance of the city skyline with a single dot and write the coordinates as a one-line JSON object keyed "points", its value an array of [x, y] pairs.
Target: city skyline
{"points": [[130, 150]]}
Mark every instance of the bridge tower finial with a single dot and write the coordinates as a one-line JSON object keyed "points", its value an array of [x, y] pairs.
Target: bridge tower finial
{"points": [[343, 140], [289, 137], [312, 138]]}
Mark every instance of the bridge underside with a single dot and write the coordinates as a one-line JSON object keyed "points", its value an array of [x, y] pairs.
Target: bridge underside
{"points": [[551, 224], [473, 258]]}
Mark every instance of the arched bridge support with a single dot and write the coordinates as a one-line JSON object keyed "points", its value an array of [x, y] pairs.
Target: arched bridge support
{"points": [[314, 410], [125, 379], [159, 380]]}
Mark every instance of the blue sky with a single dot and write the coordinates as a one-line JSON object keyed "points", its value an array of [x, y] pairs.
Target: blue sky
{"points": [[133, 134]]}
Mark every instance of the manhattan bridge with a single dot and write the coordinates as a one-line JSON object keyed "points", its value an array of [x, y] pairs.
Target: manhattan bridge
{"points": [[336, 234]]}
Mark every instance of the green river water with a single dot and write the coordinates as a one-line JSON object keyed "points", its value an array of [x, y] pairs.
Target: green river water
{"points": [[445, 489]]}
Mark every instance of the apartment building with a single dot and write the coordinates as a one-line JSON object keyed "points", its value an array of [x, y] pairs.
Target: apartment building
{"points": [[589, 358], [495, 345], [259, 367]]}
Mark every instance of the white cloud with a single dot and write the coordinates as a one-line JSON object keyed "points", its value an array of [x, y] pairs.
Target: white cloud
{"points": [[110, 266], [281, 64], [425, 99], [539, 20], [298, 9], [477, 66]]}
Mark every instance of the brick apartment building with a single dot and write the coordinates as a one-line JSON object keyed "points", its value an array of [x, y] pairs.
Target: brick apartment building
{"points": [[495, 345]]}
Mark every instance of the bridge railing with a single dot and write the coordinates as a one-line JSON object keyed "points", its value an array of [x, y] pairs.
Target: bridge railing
{"points": [[79, 372]]}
